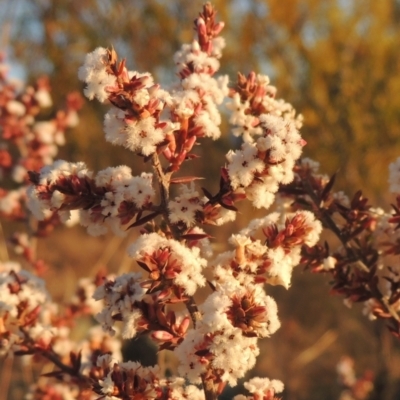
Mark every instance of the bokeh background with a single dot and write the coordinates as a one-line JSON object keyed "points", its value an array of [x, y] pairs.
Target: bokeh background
{"points": [[336, 61]]}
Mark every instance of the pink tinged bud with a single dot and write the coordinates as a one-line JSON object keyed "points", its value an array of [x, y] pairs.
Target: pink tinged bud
{"points": [[181, 158], [32, 316], [208, 47], [189, 144], [142, 81], [122, 69], [163, 257], [259, 95], [125, 75], [198, 107], [167, 154], [162, 336], [279, 238], [171, 274], [201, 25], [153, 89], [218, 28], [96, 209], [184, 325], [184, 73], [154, 104], [302, 142], [163, 294], [289, 230], [270, 394], [255, 122], [252, 78], [196, 131], [162, 125], [195, 46], [75, 181], [239, 254]]}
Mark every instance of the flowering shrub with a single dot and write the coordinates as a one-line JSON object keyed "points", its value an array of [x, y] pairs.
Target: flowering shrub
{"points": [[172, 211]]}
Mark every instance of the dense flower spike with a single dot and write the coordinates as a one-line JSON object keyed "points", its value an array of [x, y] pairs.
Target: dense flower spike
{"points": [[261, 165], [120, 296], [271, 261], [169, 263], [111, 198], [173, 250]]}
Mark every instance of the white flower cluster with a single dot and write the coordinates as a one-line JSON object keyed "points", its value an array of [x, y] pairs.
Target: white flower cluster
{"points": [[252, 256], [11, 202], [187, 263], [135, 127], [49, 134], [259, 167], [22, 298], [83, 297], [94, 73], [146, 382], [16, 108], [184, 207], [41, 201], [219, 309], [239, 311], [191, 54], [120, 186], [141, 136], [119, 297], [96, 339], [220, 349], [261, 388], [66, 186], [42, 142], [265, 162], [385, 233], [200, 93], [248, 124]]}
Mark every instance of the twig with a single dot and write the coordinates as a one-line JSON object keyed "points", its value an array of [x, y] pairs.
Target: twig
{"points": [[314, 351], [3, 247], [6, 376], [358, 259], [107, 254], [164, 181], [392, 312]]}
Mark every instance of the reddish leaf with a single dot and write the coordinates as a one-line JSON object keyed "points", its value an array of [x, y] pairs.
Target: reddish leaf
{"points": [[212, 286], [228, 206], [53, 374], [328, 187], [195, 236], [34, 177], [207, 193], [143, 220], [184, 179]]}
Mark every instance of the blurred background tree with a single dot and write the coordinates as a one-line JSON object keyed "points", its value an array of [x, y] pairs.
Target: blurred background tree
{"points": [[336, 61]]}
